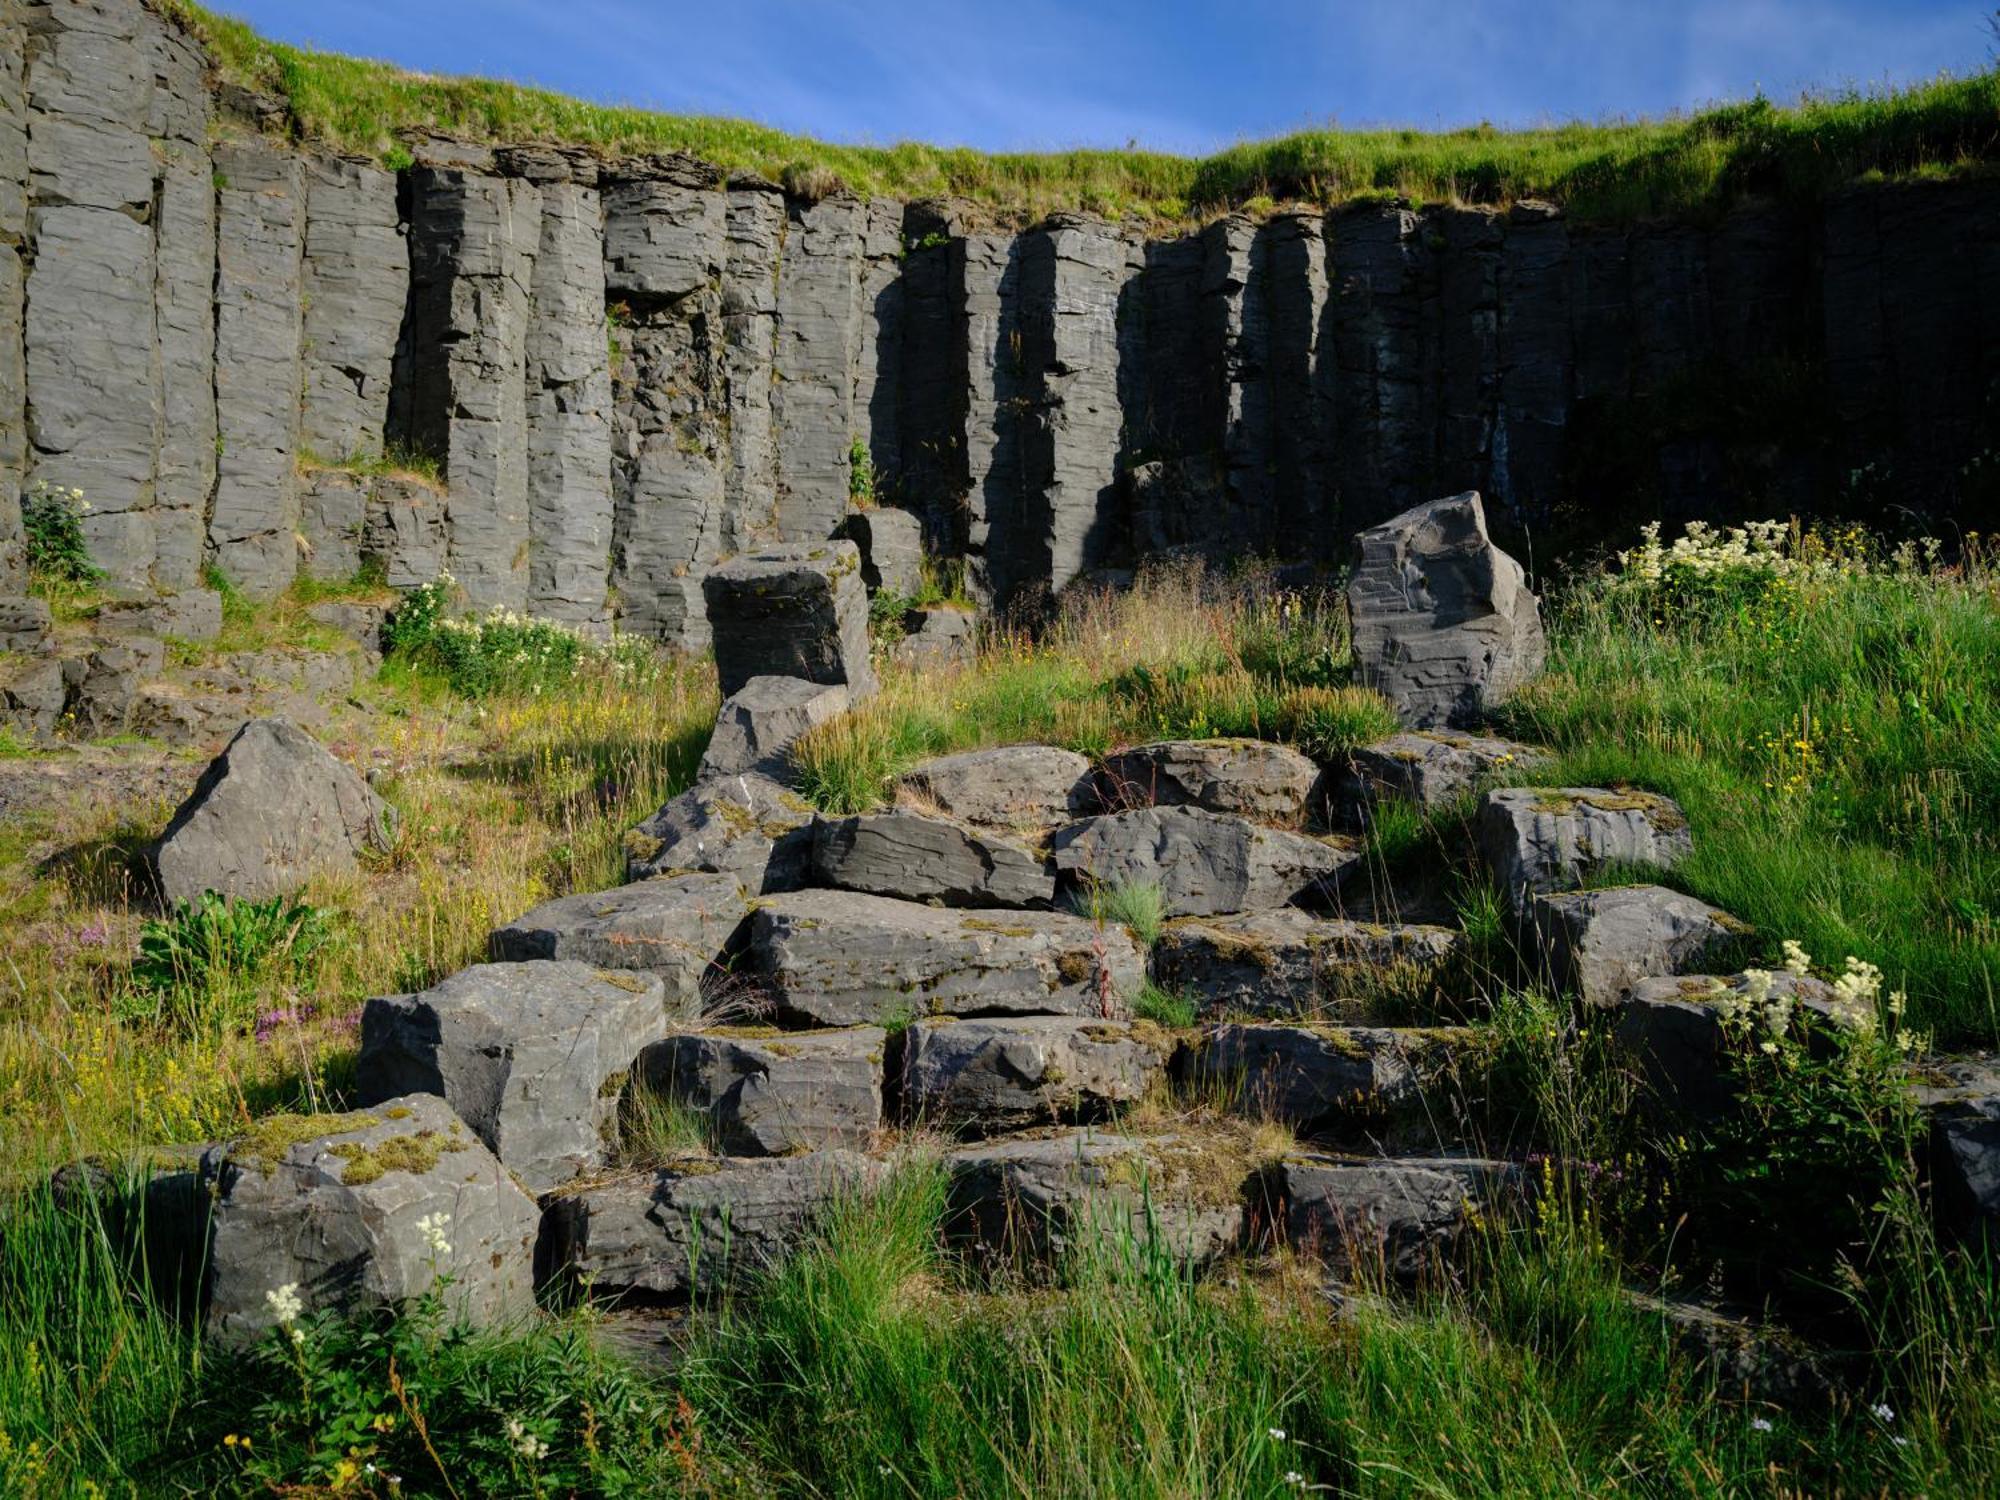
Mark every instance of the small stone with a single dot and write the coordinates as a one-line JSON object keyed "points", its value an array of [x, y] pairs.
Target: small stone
{"points": [[1538, 839], [1203, 863], [989, 1075], [771, 1094], [928, 859]]}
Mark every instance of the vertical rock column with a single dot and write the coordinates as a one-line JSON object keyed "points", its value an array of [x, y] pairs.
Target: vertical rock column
{"points": [[664, 247], [13, 236], [1468, 346], [755, 235], [1295, 307], [260, 223], [1600, 301], [989, 392], [473, 241], [1384, 402], [1177, 479], [1535, 364], [356, 281], [1236, 350], [819, 355], [878, 367], [931, 460]]}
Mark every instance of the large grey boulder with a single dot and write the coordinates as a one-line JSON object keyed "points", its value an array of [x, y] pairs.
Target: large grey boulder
{"points": [[1319, 1078], [746, 826], [928, 859], [693, 1229], [1675, 1031], [271, 811], [1399, 1215], [1204, 863], [771, 1093], [798, 610], [1962, 1100], [1289, 963], [675, 926], [1598, 944], [334, 1206], [530, 1055], [989, 1075], [1444, 624], [1009, 787], [1538, 839], [891, 543], [1262, 781], [757, 724], [938, 637], [1430, 767], [836, 958]]}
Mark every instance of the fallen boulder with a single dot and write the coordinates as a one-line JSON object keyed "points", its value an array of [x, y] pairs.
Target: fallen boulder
{"points": [[1430, 768], [1399, 1215], [982, 1076], [1010, 787], [928, 859], [1259, 780], [770, 1093], [1538, 839], [796, 610], [1598, 944], [760, 721], [1287, 963], [1204, 863], [746, 826], [1319, 1078], [675, 926]]}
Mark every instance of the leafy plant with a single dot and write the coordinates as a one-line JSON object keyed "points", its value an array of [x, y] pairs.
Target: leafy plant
{"points": [[1137, 905], [52, 519], [198, 965], [860, 475], [500, 652], [1172, 1009]]}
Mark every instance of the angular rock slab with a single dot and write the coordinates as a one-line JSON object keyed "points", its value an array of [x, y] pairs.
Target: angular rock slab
{"points": [[674, 926], [1319, 1077], [1444, 624], [891, 543], [791, 611], [1673, 1029], [1254, 778], [917, 858], [1395, 1214], [1287, 962], [1600, 943], [1963, 1101], [1431, 767], [836, 958], [770, 1093], [1009, 787], [332, 1205], [757, 724], [529, 1054], [981, 1076], [937, 638], [270, 812], [693, 1229], [1204, 863], [1539, 839], [746, 826]]}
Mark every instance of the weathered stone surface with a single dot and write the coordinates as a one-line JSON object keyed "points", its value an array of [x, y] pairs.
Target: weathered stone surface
{"points": [[331, 1206], [404, 531], [791, 611], [757, 724], [878, 362], [1599, 943], [530, 1055], [937, 638], [33, 695], [695, 1229], [747, 826], [191, 615], [107, 681], [1203, 862], [1385, 1213], [260, 225], [989, 394], [928, 859], [819, 350], [891, 543], [1318, 1078], [1962, 1099], [272, 810], [357, 278], [675, 926], [1673, 1029], [1236, 340], [1266, 782], [1538, 839], [772, 1093], [1535, 355], [989, 1075], [835, 958], [333, 522], [1026, 787], [1444, 624], [1430, 767], [24, 624], [1286, 962], [13, 409], [1295, 309], [1382, 406], [755, 229]]}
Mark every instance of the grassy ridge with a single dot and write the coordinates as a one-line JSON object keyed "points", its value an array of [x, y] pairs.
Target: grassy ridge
{"points": [[1616, 171]]}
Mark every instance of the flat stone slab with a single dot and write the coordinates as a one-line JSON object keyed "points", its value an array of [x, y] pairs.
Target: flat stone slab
{"points": [[528, 1054], [758, 724], [1001, 1074], [838, 958], [1431, 767], [1540, 839], [771, 1093], [1673, 1029], [796, 610], [1401, 1215], [692, 1229], [1289, 963], [1318, 1077], [1598, 944], [1253, 778], [1008, 787], [331, 1205], [747, 826], [675, 926], [919, 858], [1204, 863]]}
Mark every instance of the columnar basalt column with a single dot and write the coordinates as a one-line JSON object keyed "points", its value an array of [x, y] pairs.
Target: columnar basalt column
{"points": [[1535, 363], [755, 234], [1468, 345], [989, 386], [1236, 350], [931, 461], [13, 239], [820, 334], [1296, 306], [878, 367], [1384, 397], [357, 280]]}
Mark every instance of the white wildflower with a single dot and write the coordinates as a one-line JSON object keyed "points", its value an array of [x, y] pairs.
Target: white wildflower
{"points": [[1883, 1412], [1797, 960], [1759, 1424], [525, 1442], [1277, 1434], [432, 1227]]}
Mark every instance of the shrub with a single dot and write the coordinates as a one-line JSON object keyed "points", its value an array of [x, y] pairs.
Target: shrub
{"points": [[500, 652], [52, 519], [204, 963]]}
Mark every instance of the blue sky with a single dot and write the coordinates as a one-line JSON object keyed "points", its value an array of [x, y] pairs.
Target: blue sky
{"points": [[1180, 75]]}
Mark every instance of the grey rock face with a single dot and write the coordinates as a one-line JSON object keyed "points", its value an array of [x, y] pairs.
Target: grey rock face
{"points": [[333, 522], [1204, 863], [1431, 767], [1539, 839], [1319, 1077], [357, 278], [891, 543], [746, 826], [936, 638], [273, 809], [1259, 780], [774, 1093], [791, 611], [928, 859], [1236, 337], [404, 531], [1295, 307], [192, 615], [820, 336], [13, 235], [1287, 963], [261, 223], [674, 926], [989, 1075], [1399, 1215], [758, 723], [528, 1054], [1963, 1101], [107, 683], [1382, 410], [24, 625], [1599, 943], [755, 228], [931, 450], [879, 375], [336, 1215], [989, 393], [1673, 1029], [694, 1230], [833, 958], [1011, 787], [1444, 624]]}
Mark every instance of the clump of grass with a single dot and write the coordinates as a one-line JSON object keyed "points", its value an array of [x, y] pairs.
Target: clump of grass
{"points": [[1173, 1009], [206, 963], [1136, 905]]}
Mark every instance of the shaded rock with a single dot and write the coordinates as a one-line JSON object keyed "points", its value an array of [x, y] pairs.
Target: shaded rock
{"points": [[1430, 767], [772, 1093], [1204, 863], [759, 721], [791, 611], [675, 926], [1599, 943], [1673, 1029], [940, 637], [331, 1204], [530, 1055], [1962, 1099], [1318, 1078], [271, 811], [1012, 786], [928, 859], [1444, 625], [191, 615], [891, 543], [1269, 783], [1400, 1215], [1286, 962], [1761, 1360], [990, 1075], [832, 958], [1538, 839], [747, 826]]}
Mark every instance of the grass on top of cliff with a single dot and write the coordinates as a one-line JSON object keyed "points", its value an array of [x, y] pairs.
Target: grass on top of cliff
{"points": [[1618, 170]]}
